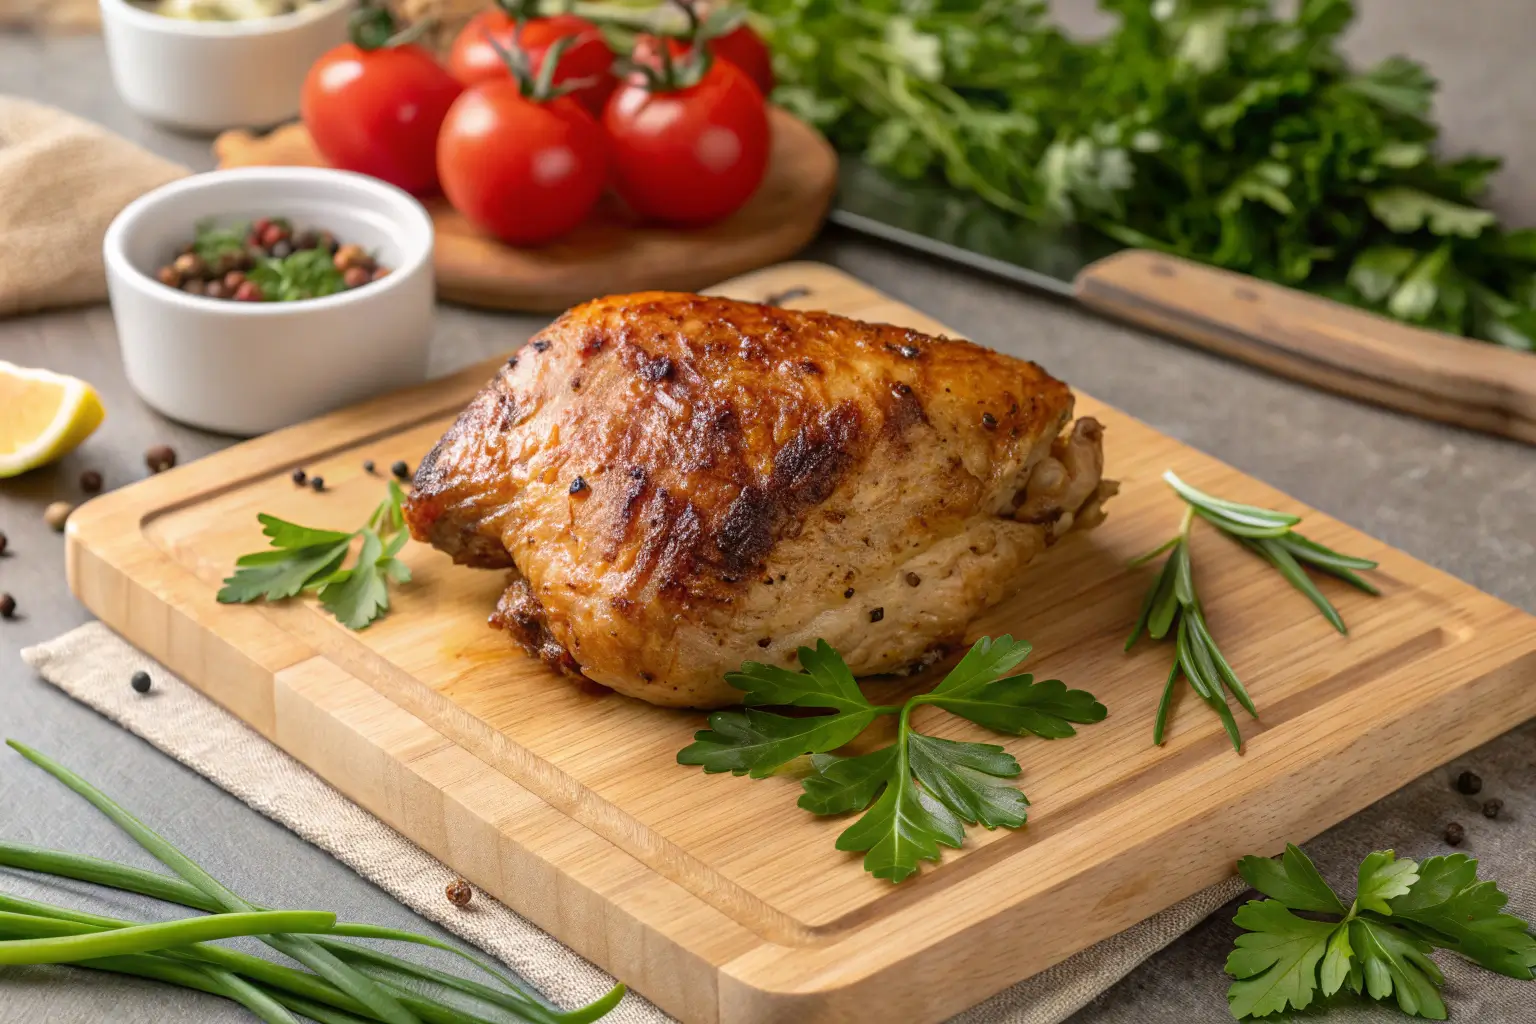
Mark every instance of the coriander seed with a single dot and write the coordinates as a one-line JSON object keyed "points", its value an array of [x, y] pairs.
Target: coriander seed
{"points": [[458, 892], [7, 606], [1469, 783], [140, 681], [56, 514]]}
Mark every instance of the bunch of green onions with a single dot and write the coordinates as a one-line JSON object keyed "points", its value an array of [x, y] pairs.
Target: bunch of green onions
{"points": [[346, 983]]}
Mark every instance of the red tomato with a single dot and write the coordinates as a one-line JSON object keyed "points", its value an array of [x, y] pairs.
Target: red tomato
{"points": [[523, 170], [742, 47], [693, 155], [474, 60], [378, 112]]}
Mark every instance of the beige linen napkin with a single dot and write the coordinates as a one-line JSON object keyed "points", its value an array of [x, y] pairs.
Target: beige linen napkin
{"points": [[91, 662], [62, 180]]}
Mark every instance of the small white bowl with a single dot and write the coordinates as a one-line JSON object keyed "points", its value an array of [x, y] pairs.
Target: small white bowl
{"points": [[249, 367], [206, 76]]}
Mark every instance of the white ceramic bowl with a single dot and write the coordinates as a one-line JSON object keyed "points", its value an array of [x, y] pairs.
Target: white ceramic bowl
{"points": [[211, 75], [249, 367]]}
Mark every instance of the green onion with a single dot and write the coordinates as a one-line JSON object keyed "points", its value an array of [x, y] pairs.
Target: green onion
{"points": [[142, 938], [269, 990], [304, 950]]}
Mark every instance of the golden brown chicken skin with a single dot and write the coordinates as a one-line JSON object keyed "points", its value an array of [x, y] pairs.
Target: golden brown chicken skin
{"points": [[683, 483]]}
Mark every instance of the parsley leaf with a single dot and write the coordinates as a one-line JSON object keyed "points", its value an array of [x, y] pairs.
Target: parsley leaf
{"points": [[1276, 960], [918, 793], [302, 274], [966, 778], [1382, 876], [843, 784], [1293, 881], [1455, 911], [1380, 946], [1395, 963], [304, 558], [756, 743], [1019, 705], [906, 825], [356, 596]]}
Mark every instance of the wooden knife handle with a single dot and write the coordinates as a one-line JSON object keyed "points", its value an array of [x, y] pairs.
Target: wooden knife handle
{"points": [[1319, 341]]}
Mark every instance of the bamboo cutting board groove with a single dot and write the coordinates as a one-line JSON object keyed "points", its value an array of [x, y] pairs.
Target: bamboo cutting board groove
{"points": [[716, 896]]}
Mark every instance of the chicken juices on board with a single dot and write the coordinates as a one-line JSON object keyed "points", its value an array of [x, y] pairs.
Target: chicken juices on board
{"points": [[683, 483]]}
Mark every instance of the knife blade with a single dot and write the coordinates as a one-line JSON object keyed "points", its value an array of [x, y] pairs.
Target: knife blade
{"points": [[1315, 340]]}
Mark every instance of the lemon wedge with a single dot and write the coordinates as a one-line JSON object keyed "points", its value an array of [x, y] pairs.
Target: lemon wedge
{"points": [[43, 415]]}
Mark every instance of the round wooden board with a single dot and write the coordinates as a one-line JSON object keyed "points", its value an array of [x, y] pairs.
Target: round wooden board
{"points": [[612, 252]]}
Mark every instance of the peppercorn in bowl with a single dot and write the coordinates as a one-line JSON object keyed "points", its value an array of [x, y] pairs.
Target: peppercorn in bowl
{"points": [[252, 299]]}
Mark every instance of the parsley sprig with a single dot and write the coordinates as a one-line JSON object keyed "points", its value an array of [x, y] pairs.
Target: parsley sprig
{"points": [[920, 791], [303, 558], [302, 274], [1172, 605], [214, 240], [1380, 944]]}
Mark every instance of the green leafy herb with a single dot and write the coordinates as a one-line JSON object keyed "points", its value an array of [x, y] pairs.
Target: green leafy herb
{"points": [[212, 241], [1217, 130], [1379, 945], [1172, 606], [921, 791], [302, 274], [303, 559]]}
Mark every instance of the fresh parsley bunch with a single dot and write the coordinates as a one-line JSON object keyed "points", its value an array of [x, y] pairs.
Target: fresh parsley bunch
{"points": [[1217, 130], [303, 558], [920, 791], [1379, 944]]}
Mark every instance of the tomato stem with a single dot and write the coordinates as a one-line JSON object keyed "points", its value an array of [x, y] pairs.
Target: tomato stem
{"points": [[375, 28], [537, 86]]}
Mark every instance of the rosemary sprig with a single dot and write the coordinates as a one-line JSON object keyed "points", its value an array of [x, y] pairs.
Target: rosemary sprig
{"points": [[1172, 606], [1269, 534]]}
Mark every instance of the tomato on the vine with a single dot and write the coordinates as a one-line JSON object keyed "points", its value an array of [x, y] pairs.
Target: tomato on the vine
{"points": [[520, 161], [474, 57], [374, 105], [690, 139]]}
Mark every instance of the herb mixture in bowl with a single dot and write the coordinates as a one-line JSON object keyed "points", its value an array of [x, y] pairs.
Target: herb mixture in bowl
{"points": [[223, 10], [267, 261]]}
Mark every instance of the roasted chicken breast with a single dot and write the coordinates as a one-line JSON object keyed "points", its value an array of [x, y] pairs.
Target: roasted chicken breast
{"points": [[682, 483]]}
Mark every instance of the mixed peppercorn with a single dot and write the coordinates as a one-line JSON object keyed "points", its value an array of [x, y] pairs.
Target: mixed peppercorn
{"points": [[268, 261]]}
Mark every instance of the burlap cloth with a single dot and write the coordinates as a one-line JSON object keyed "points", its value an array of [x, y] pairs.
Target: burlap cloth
{"points": [[90, 664], [62, 180]]}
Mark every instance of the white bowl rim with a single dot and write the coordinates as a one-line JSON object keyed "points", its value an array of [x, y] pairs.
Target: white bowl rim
{"points": [[408, 208], [312, 11]]}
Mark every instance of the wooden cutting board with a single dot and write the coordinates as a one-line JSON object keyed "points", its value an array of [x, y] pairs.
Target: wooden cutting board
{"points": [[612, 252], [716, 896]]}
